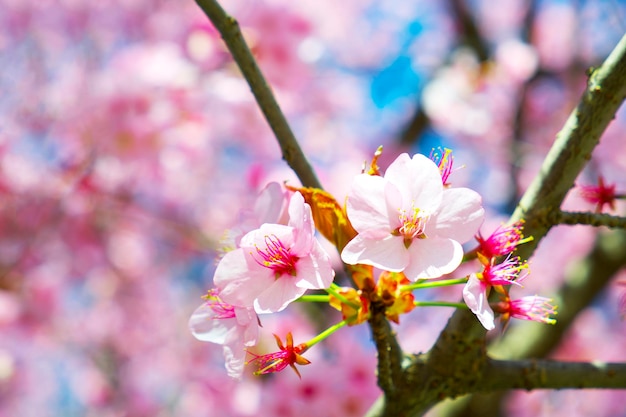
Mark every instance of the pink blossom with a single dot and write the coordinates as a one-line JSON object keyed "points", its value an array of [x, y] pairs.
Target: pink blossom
{"points": [[505, 273], [476, 298], [408, 222], [600, 195], [288, 355], [502, 241], [276, 263], [476, 291], [534, 308], [224, 324]]}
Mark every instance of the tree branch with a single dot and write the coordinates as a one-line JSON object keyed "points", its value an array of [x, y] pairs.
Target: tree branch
{"points": [[583, 282], [389, 351], [588, 218], [229, 30], [537, 374], [605, 92]]}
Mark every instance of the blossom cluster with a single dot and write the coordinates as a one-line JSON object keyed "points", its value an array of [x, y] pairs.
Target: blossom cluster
{"points": [[272, 266], [408, 223], [500, 276]]}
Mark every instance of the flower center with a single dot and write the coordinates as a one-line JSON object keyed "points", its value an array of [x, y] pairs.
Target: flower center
{"points": [[221, 309], [413, 225], [277, 257]]}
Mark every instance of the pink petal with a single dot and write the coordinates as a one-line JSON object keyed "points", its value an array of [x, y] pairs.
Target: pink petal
{"points": [[258, 238], [433, 257], [301, 219], [388, 253], [395, 203], [459, 216], [366, 206], [248, 323], [240, 279], [232, 266], [278, 295], [475, 297], [204, 326], [419, 181], [269, 206], [315, 271], [235, 357]]}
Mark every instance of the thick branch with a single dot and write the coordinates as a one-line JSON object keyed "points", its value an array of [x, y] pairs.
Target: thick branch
{"points": [[537, 374], [389, 351], [390, 375], [229, 29]]}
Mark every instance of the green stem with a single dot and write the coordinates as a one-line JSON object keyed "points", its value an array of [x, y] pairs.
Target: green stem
{"points": [[332, 329], [433, 284], [233, 38], [314, 298], [439, 304], [334, 291]]}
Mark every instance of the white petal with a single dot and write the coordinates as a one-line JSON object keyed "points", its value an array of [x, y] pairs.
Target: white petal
{"points": [[204, 326], [475, 297], [315, 271], [366, 207], [270, 204], [432, 258], [235, 357], [459, 216], [278, 295], [248, 323], [419, 181], [241, 279], [258, 238], [301, 219], [388, 253]]}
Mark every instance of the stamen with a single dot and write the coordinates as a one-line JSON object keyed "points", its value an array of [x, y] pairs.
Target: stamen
{"points": [[277, 257], [221, 309], [413, 226]]}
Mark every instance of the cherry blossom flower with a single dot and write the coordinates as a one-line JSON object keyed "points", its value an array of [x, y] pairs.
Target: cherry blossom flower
{"points": [[275, 264], [224, 324], [502, 241], [476, 291], [600, 195], [505, 273], [534, 308], [408, 222], [286, 356]]}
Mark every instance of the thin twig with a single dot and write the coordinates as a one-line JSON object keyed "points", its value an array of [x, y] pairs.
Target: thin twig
{"points": [[605, 92], [231, 34], [587, 218]]}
